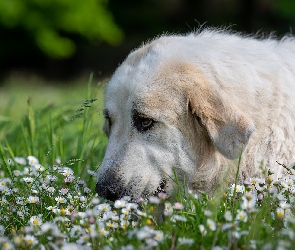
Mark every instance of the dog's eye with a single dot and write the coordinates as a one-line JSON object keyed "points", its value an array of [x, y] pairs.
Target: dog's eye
{"points": [[142, 123], [107, 127], [108, 123]]}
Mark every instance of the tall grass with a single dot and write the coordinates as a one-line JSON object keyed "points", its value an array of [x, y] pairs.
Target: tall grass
{"points": [[49, 156], [69, 127]]}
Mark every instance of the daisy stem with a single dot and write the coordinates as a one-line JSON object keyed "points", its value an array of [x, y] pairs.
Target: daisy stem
{"points": [[236, 181]]}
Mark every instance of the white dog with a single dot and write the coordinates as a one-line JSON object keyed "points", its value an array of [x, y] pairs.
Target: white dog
{"points": [[193, 103]]}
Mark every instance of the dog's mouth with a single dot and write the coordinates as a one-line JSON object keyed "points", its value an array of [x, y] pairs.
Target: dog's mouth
{"points": [[146, 195], [161, 187]]}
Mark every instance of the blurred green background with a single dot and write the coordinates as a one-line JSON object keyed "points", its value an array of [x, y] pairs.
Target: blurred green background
{"points": [[62, 40]]}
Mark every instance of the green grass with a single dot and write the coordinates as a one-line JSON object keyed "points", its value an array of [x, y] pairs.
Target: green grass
{"points": [[52, 204]]}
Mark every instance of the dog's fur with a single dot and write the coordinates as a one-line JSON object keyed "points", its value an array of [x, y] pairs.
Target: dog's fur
{"points": [[208, 96]]}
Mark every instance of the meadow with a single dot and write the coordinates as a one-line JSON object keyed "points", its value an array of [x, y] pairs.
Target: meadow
{"points": [[51, 145]]}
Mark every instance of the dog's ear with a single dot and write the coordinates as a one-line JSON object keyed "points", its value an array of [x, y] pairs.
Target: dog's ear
{"points": [[228, 127]]}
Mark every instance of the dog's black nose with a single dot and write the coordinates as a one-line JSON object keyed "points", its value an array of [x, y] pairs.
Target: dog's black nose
{"points": [[110, 192]]}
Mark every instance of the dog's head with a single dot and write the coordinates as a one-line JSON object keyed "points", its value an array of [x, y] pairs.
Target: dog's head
{"points": [[163, 114]]}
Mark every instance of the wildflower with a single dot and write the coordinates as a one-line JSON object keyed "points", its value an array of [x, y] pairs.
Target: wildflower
{"points": [[247, 182], [7, 245], [242, 216], [280, 213], [238, 235], [67, 172], [288, 180], [176, 217], [69, 179], [5, 182], [87, 190], [196, 196], [112, 215], [92, 230], [16, 173], [260, 196], [50, 208], [284, 205], [289, 233], [30, 240], [237, 189], [248, 201], [82, 182], [185, 241], [284, 184], [250, 196], [20, 214], [260, 184], [168, 209], [20, 200], [162, 196], [228, 216], [95, 201], [269, 179], [58, 160], [46, 227], [211, 224], [202, 229], [154, 200], [124, 224], [124, 217], [70, 246], [207, 212], [82, 199], [104, 232], [39, 167], [140, 213], [35, 221], [227, 226], [292, 189], [32, 160], [270, 171], [112, 224], [51, 190], [64, 211], [91, 172], [131, 206], [252, 181], [20, 160], [28, 180], [119, 203], [91, 220], [158, 235], [83, 239], [281, 197], [283, 244], [140, 199], [32, 199], [125, 211], [178, 206], [60, 200], [5, 190], [63, 191], [144, 233], [103, 207], [127, 247]]}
